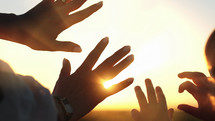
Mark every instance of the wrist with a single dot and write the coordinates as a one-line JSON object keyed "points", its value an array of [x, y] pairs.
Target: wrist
{"points": [[65, 111], [11, 28], [59, 111], [6, 21]]}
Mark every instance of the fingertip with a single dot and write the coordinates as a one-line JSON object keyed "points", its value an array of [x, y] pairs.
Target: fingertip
{"points": [[158, 89], [130, 80], [126, 48], [148, 81], [180, 89], [134, 111], [77, 49], [64, 60], [179, 107], [66, 46], [182, 107], [180, 75], [99, 4], [171, 109], [105, 40], [136, 88], [131, 57], [135, 114]]}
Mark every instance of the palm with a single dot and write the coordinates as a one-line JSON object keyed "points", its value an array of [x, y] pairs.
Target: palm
{"points": [[84, 88], [39, 27]]}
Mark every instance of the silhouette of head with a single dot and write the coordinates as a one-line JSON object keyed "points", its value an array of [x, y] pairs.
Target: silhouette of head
{"points": [[210, 54]]}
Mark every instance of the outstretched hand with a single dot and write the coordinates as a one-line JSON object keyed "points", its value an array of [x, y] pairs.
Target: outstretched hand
{"points": [[39, 27], [203, 90], [155, 109], [84, 88]]}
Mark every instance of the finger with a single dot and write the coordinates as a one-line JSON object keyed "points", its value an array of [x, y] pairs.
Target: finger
{"points": [[109, 62], [135, 115], [73, 5], [190, 87], [81, 15], [150, 92], [141, 98], [120, 86], [198, 78], [66, 69], [95, 54], [120, 67], [62, 46], [58, 46], [161, 97], [170, 114], [189, 109]]}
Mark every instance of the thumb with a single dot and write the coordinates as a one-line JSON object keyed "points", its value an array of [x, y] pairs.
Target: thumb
{"points": [[190, 110], [66, 69], [65, 46]]}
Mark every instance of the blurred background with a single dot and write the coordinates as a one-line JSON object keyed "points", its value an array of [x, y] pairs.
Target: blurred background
{"points": [[125, 116], [166, 36]]}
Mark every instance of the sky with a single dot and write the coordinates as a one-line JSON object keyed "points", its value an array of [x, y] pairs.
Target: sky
{"points": [[166, 37]]}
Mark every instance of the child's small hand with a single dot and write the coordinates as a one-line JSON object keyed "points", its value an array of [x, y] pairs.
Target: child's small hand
{"points": [[155, 109], [203, 90]]}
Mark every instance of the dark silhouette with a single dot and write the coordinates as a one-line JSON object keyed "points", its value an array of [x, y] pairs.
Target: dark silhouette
{"points": [[82, 91], [202, 88], [39, 27], [84, 88]]}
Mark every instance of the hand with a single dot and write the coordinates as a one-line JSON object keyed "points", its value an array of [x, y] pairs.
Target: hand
{"points": [[84, 88], [203, 90], [153, 110], [39, 27]]}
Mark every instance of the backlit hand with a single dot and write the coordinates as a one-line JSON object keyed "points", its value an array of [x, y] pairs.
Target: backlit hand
{"points": [[203, 90], [84, 88], [155, 109], [39, 27]]}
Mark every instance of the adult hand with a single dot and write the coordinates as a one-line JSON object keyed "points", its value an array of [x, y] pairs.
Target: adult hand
{"points": [[155, 109], [84, 89], [203, 90], [39, 27]]}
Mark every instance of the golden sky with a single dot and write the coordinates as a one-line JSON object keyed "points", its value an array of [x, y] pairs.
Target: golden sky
{"points": [[166, 36]]}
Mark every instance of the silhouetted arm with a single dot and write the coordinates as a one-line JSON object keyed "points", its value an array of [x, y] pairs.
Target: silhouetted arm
{"points": [[39, 27], [153, 109], [84, 88], [203, 90]]}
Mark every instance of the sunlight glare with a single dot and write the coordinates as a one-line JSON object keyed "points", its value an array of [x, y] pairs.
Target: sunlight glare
{"points": [[107, 84]]}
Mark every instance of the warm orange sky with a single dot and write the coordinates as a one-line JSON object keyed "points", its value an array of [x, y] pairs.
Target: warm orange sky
{"points": [[166, 37]]}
